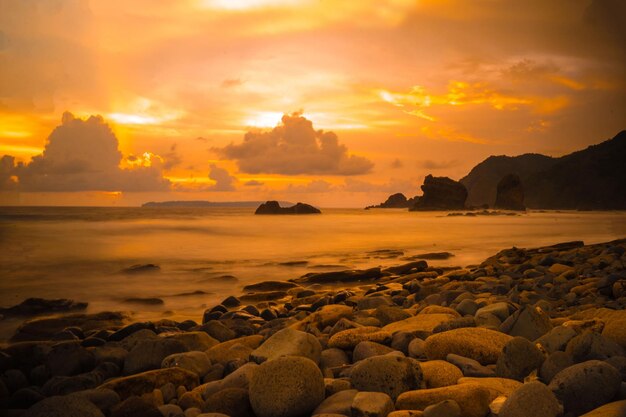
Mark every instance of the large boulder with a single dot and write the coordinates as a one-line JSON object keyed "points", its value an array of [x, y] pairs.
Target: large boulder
{"points": [[518, 359], [272, 207], [482, 345], [585, 386], [510, 193], [441, 193], [289, 386], [391, 374]]}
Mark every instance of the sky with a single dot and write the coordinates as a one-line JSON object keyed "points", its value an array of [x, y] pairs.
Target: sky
{"points": [[336, 103]]}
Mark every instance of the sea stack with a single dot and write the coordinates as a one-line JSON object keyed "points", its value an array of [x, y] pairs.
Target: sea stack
{"points": [[272, 207], [510, 193], [441, 193]]}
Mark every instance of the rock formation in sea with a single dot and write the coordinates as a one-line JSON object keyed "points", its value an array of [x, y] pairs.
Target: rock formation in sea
{"points": [[510, 193], [273, 207], [593, 178], [397, 200], [441, 193]]}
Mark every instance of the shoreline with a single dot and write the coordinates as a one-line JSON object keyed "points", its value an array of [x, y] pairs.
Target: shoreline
{"points": [[354, 327]]}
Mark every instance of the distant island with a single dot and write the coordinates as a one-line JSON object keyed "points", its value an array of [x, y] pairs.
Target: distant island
{"points": [[202, 203]]}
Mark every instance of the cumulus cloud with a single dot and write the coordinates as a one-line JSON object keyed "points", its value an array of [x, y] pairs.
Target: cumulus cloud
{"points": [[295, 147], [171, 158], [83, 155], [223, 180]]}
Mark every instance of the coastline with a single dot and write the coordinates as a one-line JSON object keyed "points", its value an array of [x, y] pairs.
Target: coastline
{"points": [[346, 330]]}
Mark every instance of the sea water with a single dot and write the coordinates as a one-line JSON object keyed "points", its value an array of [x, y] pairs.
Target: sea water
{"points": [[81, 252]]}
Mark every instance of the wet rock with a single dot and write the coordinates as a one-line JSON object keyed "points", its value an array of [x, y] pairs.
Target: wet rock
{"points": [[171, 410], [529, 322], [141, 269], [554, 363], [619, 363], [447, 408], [265, 286], [326, 316], [469, 367], [439, 373], [496, 386], [288, 386], [556, 339], [467, 307], [149, 354], [371, 404], [64, 406], [149, 301], [218, 331], [421, 325], [339, 403], [46, 328], [288, 342], [61, 385], [614, 409], [348, 339], [104, 399], [615, 328], [135, 406], [367, 349], [585, 386], [231, 401], [39, 306], [473, 400], [148, 381], [196, 362], [234, 349], [591, 345], [126, 331], [333, 357], [194, 341], [390, 374], [416, 348], [340, 276], [532, 399], [69, 358], [518, 359], [482, 345]]}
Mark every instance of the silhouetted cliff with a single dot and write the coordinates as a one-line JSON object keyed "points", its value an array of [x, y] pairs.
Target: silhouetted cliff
{"points": [[593, 178]]}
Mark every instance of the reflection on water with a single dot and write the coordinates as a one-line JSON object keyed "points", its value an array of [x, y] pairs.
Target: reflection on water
{"points": [[79, 252]]}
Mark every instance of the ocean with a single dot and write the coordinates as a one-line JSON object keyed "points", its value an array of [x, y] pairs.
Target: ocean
{"points": [[206, 254]]}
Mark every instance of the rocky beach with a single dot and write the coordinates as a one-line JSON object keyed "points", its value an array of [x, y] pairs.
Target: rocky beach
{"points": [[528, 332]]}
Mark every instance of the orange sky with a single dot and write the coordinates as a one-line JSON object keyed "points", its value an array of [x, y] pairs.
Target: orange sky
{"points": [[407, 88]]}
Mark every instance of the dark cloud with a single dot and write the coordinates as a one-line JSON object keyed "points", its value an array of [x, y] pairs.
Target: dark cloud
{"points": [[430, 164], [397, 163], [8, 180], [171, 158], [223, 180], [253, 183], [609, 16], [83, 155], [294, 147]]}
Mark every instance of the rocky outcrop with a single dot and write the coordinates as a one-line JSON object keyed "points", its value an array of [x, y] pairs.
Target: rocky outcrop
{"points": [[593, 178], [441, 193], [510, 193], [272, 207], [397, 200], [39, 306]]}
